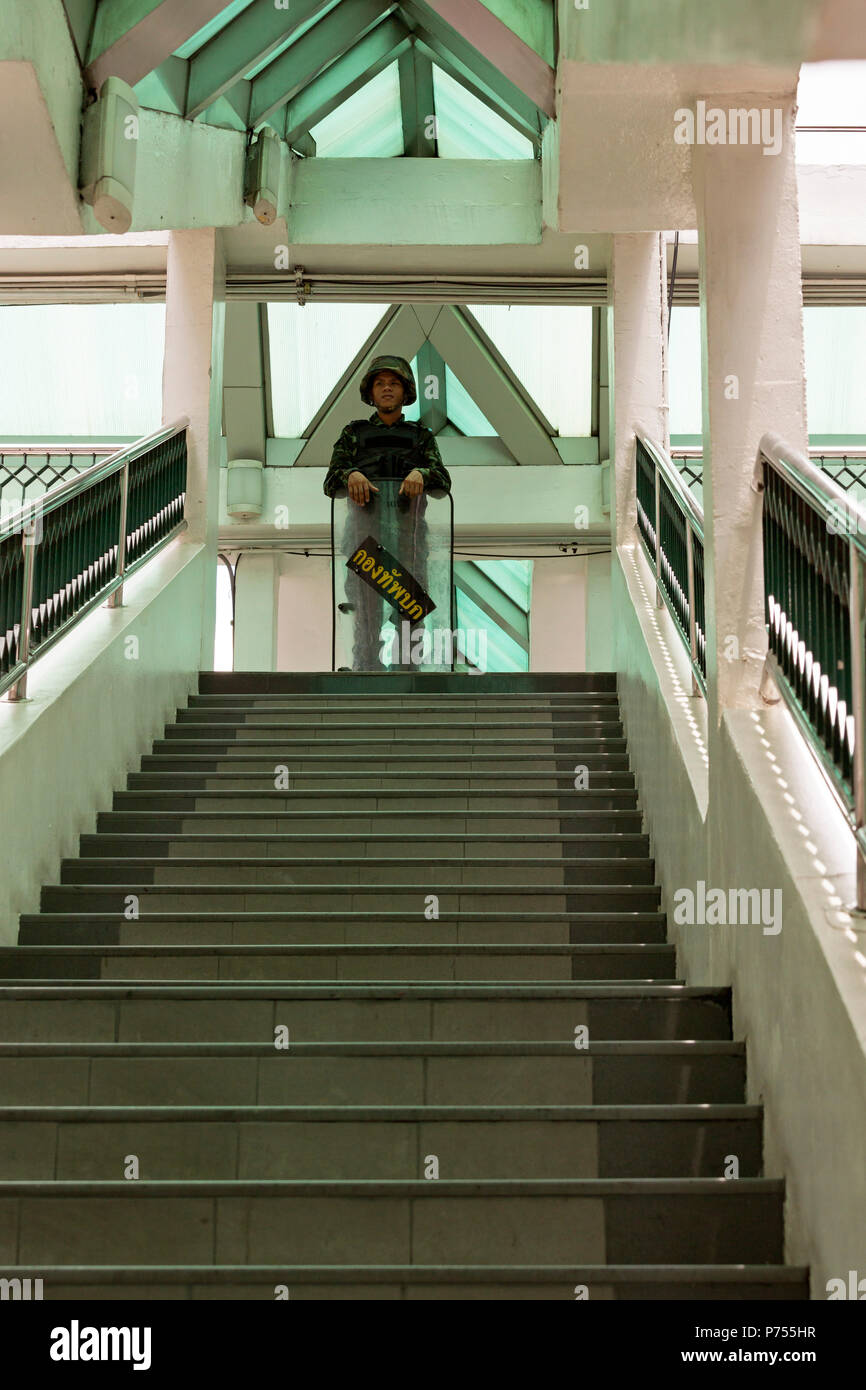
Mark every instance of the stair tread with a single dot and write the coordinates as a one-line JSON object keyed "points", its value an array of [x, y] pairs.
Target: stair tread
{"points": [[697, 1112], [388, 1187]]}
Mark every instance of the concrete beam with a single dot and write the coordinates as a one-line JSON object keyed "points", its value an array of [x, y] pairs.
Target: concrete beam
{"points": [[487, 34], [40, 115], [737, 33], [129, 41], [249, 40], [332, 37], [344, 77], [244, 382], [417, 105], [522, 115], [428, 202]]}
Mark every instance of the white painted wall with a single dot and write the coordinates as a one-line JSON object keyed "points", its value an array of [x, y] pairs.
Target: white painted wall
{"points": [[94, 706], [557, 620], [767, 819]]}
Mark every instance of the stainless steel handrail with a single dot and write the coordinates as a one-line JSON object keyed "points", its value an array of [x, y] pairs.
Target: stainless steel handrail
{"points": [[70, 487], [822, 493]]}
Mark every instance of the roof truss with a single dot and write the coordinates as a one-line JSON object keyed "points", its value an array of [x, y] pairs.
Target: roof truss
{"points": [[289, 67]]}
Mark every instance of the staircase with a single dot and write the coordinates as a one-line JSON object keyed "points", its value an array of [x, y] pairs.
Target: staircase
{"points": [[467, 953]]}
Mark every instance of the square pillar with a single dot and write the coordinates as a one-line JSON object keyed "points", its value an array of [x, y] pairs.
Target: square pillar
{"points": [[753, 377], [257, 586], [639, 275], [192, 386]]}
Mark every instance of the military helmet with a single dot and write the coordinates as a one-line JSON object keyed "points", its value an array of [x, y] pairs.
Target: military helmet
{"points": [[400, 367]]}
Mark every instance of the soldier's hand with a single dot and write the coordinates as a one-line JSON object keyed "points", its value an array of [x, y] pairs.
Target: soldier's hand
{"points": [[413, 484], [360, 488]]}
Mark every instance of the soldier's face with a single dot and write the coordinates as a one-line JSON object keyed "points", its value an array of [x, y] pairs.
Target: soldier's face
{"points": [[388, 391]]}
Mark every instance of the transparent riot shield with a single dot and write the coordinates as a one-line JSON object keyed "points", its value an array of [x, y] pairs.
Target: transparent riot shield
{"points": [[392, 580]]}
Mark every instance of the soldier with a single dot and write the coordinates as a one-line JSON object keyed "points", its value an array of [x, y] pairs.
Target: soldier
{"points": [[384, 446]]}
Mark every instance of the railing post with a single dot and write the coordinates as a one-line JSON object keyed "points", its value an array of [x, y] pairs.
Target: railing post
{"points": [[18, 691], [693, 627], [116, 598], [857, 628], [659, 599]]}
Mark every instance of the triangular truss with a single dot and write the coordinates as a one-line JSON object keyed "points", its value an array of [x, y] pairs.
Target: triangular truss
{"points": [[255, 63], [438, 335]]}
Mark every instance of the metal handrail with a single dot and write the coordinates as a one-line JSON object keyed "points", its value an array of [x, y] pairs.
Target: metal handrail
{"points": [[21, 520], [831, 503], [813, 485], [693, 517], [63, 491], [671, 475]]}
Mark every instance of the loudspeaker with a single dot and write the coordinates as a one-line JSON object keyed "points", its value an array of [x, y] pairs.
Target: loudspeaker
{"points": [[108, 150], [262, 175]]}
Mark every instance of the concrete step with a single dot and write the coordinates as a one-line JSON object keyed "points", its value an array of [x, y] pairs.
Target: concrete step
{"points": [[453, 869], [338, 962], [348, 822], [96, 1012], [409, 899], [353, 704], [258, 740], [229, 779], [396, 1073], [405, 764], [359, 928], [621, 1220], [554, 685], [74, 1143], [695, 1283], [613, 845], [433, 716], [426, 800]]}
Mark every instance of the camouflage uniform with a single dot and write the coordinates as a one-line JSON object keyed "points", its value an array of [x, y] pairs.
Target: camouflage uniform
{"points": [[380, 452]]}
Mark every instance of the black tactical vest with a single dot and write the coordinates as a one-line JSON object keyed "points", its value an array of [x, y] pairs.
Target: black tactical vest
{"points": [[388, 451]]}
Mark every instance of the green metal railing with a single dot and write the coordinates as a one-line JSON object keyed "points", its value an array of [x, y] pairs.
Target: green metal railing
{"points": [[671, 526], [66, 551], [814, 585]]}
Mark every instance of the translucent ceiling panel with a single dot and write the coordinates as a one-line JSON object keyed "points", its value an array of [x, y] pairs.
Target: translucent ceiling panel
{"points": [[832, 94], [92, 370], [467, 129], [513, 577], [549, 349], [684, 371], [366, 124], [311, 345], [462, 410], [835, 344], [491, 647]]}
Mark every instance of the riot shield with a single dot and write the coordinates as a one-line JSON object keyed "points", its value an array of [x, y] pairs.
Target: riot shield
{"points": [[392, 563]]}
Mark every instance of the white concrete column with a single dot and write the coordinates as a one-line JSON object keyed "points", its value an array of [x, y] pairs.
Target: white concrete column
{"points": [[753, 378], [557, 617], [192, 386], [304, 614], [257, 584], [638, 273]]}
